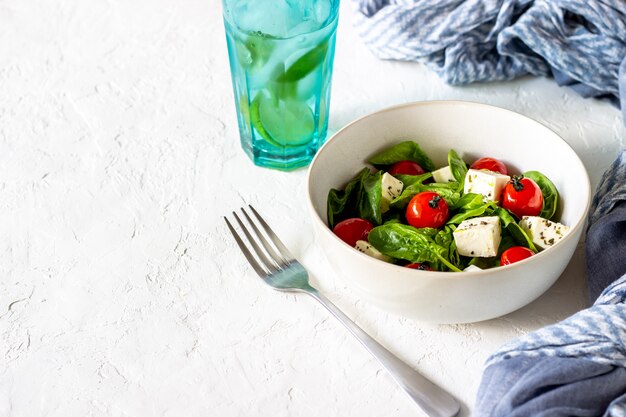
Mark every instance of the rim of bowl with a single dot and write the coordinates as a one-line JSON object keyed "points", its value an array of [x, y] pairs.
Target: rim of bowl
{"points": [[446, 274]]}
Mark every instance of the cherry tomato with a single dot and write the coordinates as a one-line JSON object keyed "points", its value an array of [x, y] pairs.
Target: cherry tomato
{"points": [[427, 209], [515, 254], [522, 196], [421, 267], [406, 168], [490, 164], [351, 230]]}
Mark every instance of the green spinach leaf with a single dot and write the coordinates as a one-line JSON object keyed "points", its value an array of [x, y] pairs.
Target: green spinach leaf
{"points": [[507, 242], [457, 166], [484, 263], [447, 191], [369, 207], [519, 235], [344, 204], [403, 151], [413, 179], [468, 201], [405, 242], [549, 191], [472, 209], [445, 239]]}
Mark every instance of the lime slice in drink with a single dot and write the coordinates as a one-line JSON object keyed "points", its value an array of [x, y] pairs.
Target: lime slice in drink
{"points": [[255, 120], [286, 122]]}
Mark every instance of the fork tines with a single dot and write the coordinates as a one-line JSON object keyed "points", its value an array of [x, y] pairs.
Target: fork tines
{"points": [[265, 257]]}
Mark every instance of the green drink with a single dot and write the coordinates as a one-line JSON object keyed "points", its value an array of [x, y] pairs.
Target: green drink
{"points": [[281, 55]]}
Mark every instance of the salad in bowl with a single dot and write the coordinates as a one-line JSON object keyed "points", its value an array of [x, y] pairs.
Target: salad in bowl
{"points": [[456, 217]]}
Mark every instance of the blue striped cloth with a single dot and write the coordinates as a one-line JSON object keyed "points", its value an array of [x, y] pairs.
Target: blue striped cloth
{"points": [[581, 43], [576, 367]]}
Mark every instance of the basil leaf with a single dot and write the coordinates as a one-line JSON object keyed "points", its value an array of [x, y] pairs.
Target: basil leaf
{"points": [[403, 151], [549, 191], [344, 204], [457, 166], [406, 242], [369, 207], [305, 64], [518, 234]]}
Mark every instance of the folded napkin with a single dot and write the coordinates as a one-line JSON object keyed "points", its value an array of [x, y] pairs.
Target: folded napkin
{"points": [[576, 367], [581, 43]]}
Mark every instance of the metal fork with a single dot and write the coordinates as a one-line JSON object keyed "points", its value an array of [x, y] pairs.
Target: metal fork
{"points": [[279, 269]]}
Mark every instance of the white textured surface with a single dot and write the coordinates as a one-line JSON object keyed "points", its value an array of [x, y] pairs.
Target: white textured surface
{"points": [[121, 293]]}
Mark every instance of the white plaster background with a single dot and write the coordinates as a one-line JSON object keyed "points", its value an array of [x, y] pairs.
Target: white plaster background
{"points": [[121, 293]]}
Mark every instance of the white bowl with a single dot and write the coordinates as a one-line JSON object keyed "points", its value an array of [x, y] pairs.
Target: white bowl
{"points": [[473, 130]]}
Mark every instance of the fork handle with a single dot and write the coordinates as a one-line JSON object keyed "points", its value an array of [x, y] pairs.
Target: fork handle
{"points": [[431, 398]]}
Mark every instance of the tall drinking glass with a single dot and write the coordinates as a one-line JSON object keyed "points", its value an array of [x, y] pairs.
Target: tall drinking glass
{"points": [[281, 62]]}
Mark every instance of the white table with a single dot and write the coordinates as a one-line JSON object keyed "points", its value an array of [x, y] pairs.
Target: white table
{"points": [[121, 292]]}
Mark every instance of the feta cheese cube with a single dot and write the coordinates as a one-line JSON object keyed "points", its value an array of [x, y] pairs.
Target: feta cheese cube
{"points": [[544, 233], [489, 184], [478, 237], [472, 268], [368, 249], [391, 188], [443, 174]]}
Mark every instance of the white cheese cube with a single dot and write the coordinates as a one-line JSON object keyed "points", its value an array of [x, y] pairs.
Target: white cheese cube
{"points": [[544, 233], [368, 249], [443, 175], [478, 237], [472, 268], [489, 184], [391, 188]]}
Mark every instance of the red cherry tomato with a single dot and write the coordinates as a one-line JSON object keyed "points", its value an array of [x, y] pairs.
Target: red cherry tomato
{"points": [[515, 254], [522, 197], [421, 267], [406, 168], [427, 209], [490, 164], [351, 230]]}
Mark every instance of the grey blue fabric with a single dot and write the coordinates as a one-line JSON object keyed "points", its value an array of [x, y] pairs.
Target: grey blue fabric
{"points": [[581, 43], [606, 234], [576, 367]]}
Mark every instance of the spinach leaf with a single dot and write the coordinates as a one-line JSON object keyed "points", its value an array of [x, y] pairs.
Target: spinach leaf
{"points": [[468, 201], [412, 179], [518, 234], [484, 263], [343, 204], [369, 205], [507, 242], [549, 191], [472, 209], [393, 216], [401, 201], [403, 151], [447, 191], [457, 166], [406, 242], [445, 239]]}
